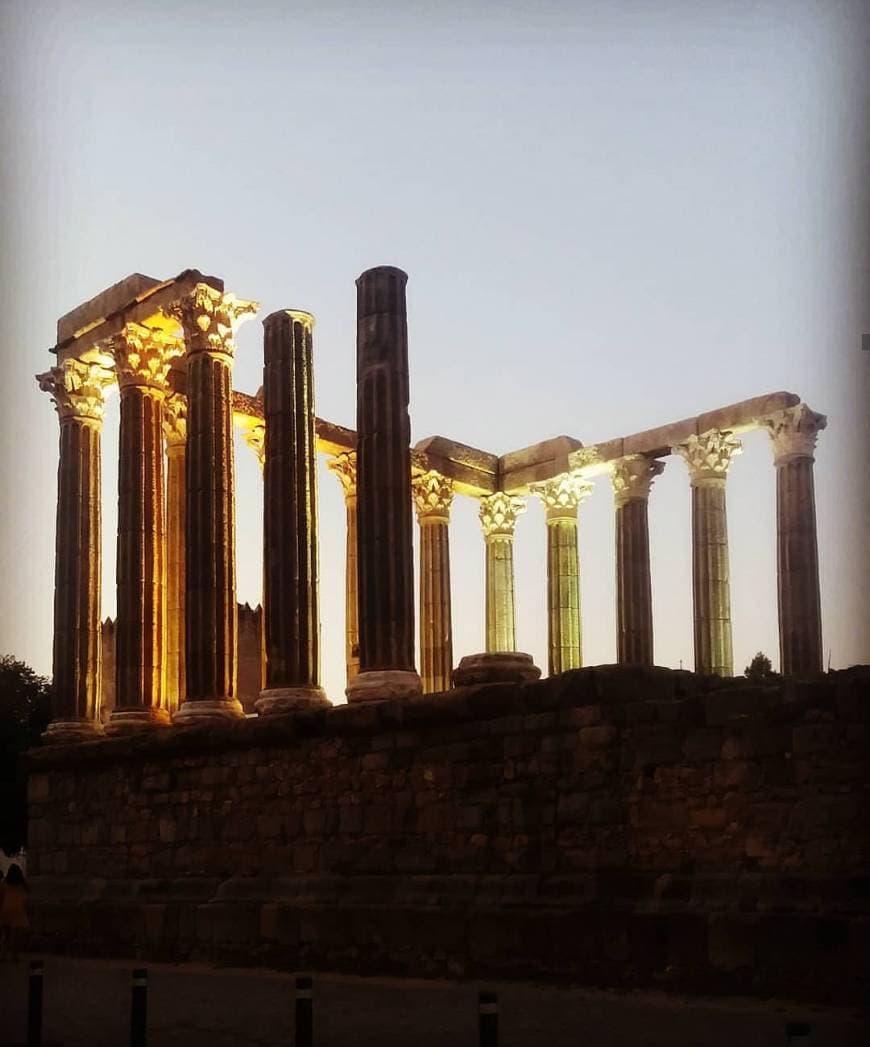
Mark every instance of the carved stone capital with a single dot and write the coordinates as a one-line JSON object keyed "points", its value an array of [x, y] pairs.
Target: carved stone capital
{"points": [[143, 356], [632, 477], [344, 467], [211, 318], [433, 495], [255, 438], [562, 495], [175, 420], [709, 455], [498, 515], [794, 432], [585, 458], [78, 390]]}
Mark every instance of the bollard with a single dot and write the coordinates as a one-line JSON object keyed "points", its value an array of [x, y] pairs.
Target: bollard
{"points": [[487, 1007], [138, 1007], [797, 1034], [34, 1004], [304, 1014]]}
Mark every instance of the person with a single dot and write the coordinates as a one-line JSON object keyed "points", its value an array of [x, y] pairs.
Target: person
{"points": [[13, 912]]}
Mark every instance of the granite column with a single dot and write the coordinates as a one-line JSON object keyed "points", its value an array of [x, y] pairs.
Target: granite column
{"points": [[433, 495], [344, 467], [175, 432]]}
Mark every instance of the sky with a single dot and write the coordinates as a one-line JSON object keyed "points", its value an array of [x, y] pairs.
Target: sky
{"points": [[613, 216]]}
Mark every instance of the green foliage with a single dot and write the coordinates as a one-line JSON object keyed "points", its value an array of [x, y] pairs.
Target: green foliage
{"points": [[25, 710], [760, 668]]}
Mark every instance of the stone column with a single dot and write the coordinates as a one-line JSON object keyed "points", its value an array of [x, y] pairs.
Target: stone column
{"points": [[255, 438], [561, 497], [384, 536], [632, 479], [291, 615], [142, 360], [175, 432], [498, 518], [708, 457], [344, 467], [794, 432], [209, 319], [78, 391], [433, 496]]}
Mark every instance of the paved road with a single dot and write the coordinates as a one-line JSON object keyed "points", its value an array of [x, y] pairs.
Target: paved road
{"points": [[87, 1005]]}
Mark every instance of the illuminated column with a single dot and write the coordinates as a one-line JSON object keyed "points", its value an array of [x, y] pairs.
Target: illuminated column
{"points": [[498, 518], [561, 497], [291, 617], [78, 391], [175, 432], [708, 457], [632, 478], [433, 495], [344, 467], [255, 438], [384, 523], [794, 432], [209, 319]]}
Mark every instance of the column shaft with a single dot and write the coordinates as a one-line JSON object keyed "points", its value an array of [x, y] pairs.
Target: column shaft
{"points": [[797, 561], [563, 595], [175, 498], [634, 621], [351, 590], [711, 579], [500, 600], [436, 632]]}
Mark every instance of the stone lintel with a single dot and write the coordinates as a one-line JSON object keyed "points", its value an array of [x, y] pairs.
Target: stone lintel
{"points": [[473, 472], [518, 470]]}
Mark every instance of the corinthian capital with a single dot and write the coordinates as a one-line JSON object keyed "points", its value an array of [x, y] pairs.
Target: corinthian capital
{"points": [[632, 478], [255, 438], [143, 356], [562, 495], [433, 495], [78, 390], [344, 467], [794, 432], [709, 455], [498, 514], [175, 420], [211, 318]]}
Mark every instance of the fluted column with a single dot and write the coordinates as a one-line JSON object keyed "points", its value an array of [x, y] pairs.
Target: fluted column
{"points": [[794, 432], [344, 467], [384, 523], [433, 496], [78, 391], [708, 457], [142, 360], [209, 319], [632, 478], [291, 615], [175, 433], [498, 518], [561, 497]]}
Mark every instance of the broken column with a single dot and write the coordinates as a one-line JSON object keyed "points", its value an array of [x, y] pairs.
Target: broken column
{"points": [[78, 391], [632, 479], [344, 467], [290, 577], [433, 495], [708, 457], [794, 432], [384, 523]]}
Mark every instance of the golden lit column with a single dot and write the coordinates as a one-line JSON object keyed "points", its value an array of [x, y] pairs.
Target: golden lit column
{"points": [[433, 496], [175, 433], [498, 518], [794, 432], [561, 497], [708, 457], [344, 467], [632, 479], [255, 438], [291, 604], [142, 360], [78, 391], [209, 318]]}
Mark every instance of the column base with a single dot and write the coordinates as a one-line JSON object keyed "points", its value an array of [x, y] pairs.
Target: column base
{"points": [[380, 685], [69, 732], [496, 667], [123, 721], [276, 700], [194, 711]]}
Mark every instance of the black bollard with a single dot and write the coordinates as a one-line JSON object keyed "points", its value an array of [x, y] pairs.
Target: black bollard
{"points": [[138, 1007], [34, 1004], [797, 1034], [487, 1007], [304, 1014]]}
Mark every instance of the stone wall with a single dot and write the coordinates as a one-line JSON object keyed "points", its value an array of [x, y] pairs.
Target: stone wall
{"points": [[611, 826]]}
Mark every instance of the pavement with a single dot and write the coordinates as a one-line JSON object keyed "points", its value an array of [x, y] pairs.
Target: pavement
{"points": [[87, 1004]]}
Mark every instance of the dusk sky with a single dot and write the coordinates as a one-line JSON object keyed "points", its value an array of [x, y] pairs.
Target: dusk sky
{"points": [[613, 216]]}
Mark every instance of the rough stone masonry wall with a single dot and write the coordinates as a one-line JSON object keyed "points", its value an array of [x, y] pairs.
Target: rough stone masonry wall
{"points": [[611, 826]]}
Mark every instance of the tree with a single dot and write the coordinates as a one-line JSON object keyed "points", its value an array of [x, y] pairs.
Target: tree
{"points": [[759, 668], [25, 711]]}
